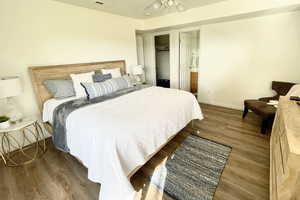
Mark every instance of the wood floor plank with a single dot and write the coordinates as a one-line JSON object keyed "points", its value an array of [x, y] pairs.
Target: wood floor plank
{"points": [[5, 186], [245, 177]]}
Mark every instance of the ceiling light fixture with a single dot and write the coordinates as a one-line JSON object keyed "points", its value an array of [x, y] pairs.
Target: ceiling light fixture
{"points": [[157, 5], [170, 3], [164, 5]]}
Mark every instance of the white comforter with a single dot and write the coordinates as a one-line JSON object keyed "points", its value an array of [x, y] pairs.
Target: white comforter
{"points": [[114, 137]]}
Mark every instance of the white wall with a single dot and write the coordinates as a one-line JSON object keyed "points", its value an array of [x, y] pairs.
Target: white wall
{"points": [[35, 32], [239, 59]]}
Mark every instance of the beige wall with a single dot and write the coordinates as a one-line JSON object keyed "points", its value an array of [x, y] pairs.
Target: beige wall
{"points": [[239, 59], [35, 32]]}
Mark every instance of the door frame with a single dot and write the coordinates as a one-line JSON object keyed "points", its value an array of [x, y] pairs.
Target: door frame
{"points": [[184, 74], [187, 30], [154, 53], [174, 53], [174, 56]]}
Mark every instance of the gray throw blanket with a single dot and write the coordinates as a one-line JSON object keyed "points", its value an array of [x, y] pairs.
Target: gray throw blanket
{"points": [[62, 111]]}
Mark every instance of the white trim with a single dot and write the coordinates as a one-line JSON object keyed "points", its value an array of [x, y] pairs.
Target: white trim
{"points": [[174, 54], [149, 59], [223, 105]]}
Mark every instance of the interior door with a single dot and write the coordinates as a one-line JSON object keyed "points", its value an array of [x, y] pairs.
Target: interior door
{"points": [[140, 49], [149, 59], [174, 59], [185, 56]]}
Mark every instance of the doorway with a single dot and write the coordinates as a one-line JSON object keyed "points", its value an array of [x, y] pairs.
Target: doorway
{"points": [[189, 61], [162, 57]]}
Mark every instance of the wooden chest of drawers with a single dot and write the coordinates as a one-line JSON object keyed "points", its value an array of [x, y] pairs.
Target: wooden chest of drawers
{"points": [[285, 152]]}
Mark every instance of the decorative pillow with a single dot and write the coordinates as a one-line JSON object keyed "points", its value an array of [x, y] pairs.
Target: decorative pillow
{"points": [[60, 89], [115, 73], [107, 87], [294, 91], [101, 77], [81, 78]]}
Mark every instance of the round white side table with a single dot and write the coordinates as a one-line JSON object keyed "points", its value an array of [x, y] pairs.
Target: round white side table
{"points": [[20, 138]]}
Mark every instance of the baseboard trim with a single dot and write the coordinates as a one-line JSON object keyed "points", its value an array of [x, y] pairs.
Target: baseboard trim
{"points": [[223, 105]]}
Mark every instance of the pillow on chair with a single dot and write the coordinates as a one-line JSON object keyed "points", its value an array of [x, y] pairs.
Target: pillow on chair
{"points": [[294, 91]]}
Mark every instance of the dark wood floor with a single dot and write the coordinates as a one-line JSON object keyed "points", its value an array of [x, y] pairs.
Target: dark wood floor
{"points": [[246, 176]]}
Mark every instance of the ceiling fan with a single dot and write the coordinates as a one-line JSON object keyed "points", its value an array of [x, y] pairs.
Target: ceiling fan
{"points": [[158, 5]]}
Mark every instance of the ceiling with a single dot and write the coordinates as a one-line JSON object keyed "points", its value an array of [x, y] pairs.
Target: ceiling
{"points": [[133, 8]]}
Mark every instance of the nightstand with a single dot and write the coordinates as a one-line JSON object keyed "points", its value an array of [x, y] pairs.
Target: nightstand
{"points": [[22, 143]]}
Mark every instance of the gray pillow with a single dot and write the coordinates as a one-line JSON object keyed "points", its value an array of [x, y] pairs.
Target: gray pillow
{"points": [[60, 89], [101, 77], [107, 87]]}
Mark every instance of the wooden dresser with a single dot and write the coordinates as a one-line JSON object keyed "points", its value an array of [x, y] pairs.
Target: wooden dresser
{"points": [[285, 152]]}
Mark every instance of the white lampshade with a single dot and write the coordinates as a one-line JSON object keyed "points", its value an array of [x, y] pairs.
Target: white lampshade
{"points": [[10, 87], [138, 70]]}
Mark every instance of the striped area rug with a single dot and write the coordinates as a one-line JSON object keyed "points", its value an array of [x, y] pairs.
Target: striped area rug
{"points": [[193, 171]]}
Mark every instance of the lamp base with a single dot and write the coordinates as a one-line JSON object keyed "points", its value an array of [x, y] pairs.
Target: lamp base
{"points": [[12, 112], [4, 125], [139, 79]]}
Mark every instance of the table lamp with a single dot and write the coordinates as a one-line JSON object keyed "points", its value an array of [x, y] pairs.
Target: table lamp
{"points": [[138, 71], [10, 87]]}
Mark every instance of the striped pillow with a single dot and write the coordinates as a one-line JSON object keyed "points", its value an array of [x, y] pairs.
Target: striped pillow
{"points": [[107, 87]]}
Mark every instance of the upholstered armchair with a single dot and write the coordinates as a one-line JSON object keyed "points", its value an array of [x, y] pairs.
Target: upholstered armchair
{"points": [[261, 108]]}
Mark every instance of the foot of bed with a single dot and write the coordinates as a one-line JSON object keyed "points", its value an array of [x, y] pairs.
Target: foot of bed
{"points": [[195, 131]]}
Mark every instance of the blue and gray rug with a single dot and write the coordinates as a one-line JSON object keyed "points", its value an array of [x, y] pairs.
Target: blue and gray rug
{"points": [[193, 171]]}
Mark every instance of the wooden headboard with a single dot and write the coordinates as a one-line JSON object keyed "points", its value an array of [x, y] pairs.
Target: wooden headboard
{"points": [[42, 73]]}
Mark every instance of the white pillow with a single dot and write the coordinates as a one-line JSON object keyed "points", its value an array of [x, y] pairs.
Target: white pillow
{"points": [[115, 73], [294, 91], [81, 78]]}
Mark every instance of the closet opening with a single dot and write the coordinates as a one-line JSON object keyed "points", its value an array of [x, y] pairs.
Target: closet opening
{"points": [[162, 56]]}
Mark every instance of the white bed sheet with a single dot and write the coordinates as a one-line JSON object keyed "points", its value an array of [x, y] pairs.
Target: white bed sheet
{"points": [[49, 107], [114, 137]]}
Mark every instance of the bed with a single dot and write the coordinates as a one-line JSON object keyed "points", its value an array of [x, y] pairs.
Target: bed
{"points": [[114, 138]]}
